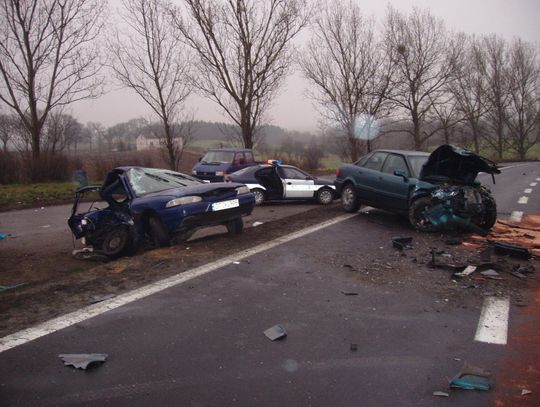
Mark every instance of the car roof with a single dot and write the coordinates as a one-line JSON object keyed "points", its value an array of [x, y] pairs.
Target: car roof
{"points": [[230, 149], [404, 152]]}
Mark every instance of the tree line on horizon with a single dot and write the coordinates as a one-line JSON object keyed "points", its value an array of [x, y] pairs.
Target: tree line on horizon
{"points": [[406, 74]]}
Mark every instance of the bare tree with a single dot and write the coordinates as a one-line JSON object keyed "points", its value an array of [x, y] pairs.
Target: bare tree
{"points": [[60, 132], [350, 70], [6, 130], [48, 57], [523, 112], [425, 57], [468, 86], [149, 59], [497, 95], [244, 52]]}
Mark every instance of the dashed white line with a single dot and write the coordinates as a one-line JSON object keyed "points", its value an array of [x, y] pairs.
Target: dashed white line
{"points": [[493, 323], [516, 216], [56, 324], [538, 179], [527, 191], [523, 200], [533, 184]]}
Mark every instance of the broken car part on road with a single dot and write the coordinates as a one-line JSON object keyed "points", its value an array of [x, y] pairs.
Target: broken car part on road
{"points": [[83, 360]]}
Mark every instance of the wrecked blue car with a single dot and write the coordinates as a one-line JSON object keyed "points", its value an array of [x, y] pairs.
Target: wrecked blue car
{"points": [[155, 205]]}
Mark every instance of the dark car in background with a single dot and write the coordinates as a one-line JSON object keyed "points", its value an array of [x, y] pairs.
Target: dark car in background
{"points": [[217, 163], [276, 182], [382, 179], [157, 205]]}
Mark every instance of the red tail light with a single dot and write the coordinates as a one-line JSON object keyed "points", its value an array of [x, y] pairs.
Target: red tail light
{"points": [[337, 172]]}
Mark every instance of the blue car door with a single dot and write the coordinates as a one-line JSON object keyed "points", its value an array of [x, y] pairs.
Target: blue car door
{"points": [[367, 176], [392, 191]]}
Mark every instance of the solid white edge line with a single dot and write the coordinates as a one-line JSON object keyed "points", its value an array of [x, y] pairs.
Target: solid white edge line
{"points": [[523, 200], [64, 321], [493, 322], [516, 216]]}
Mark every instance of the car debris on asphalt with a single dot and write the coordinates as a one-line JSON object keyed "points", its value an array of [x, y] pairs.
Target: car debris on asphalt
{"points": [[3, 236], [466, 272], [512, 250], [275, 332], [83, 360], [95, 300], [344, 292], [257, 223], [440, 394], [525, 392], [402, 243], [354, 347], [472, 378], [12, 286]]}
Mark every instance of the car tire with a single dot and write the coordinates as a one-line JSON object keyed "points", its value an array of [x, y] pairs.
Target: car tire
{"points": [[416, 215], [489, 217], [260, 196], [120, 240], [158, 235], [235, 226], [349, 199], [325, 196]]}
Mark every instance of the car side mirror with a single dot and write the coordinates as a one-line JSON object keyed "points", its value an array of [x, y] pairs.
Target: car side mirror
{"points": [[401, 173]]}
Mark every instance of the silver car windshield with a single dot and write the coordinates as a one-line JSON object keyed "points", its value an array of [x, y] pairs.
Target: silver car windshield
{"points": [[147, 180]]}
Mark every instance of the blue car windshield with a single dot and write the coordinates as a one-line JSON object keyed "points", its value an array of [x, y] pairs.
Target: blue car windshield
{"points": [[147, 180], [218, 157], [417, 161]]}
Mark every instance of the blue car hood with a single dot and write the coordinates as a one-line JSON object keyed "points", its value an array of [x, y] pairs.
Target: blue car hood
{"points": [[202, 189]]}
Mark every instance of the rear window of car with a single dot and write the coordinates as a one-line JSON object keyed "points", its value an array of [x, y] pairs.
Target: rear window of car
{"points": [[417, 161], [244, 171], [376, 161], [147, 180]]}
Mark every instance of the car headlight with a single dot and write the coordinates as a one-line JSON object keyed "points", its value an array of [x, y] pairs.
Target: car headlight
{"points": [[84, 221], [194, 172], [183, 200], [242, 190]]}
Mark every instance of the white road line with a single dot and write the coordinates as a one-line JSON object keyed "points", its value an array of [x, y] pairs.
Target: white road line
{"points": [[527, 191], [493, 323], [523, 200], [533, 184], [516, 216], [538, 179], [56, 324]]}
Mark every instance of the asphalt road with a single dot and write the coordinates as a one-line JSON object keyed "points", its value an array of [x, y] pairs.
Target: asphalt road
{"points": [[201, 342]]}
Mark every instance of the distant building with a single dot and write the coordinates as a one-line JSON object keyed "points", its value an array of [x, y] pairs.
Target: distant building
{"points": [[147, 142]]}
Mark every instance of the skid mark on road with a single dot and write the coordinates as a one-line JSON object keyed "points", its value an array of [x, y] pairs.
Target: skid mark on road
{"points": [[64, 321], [493, 323]]}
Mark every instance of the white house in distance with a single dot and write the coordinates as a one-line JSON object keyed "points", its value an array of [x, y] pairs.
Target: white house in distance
{"points": [[147, 142]]}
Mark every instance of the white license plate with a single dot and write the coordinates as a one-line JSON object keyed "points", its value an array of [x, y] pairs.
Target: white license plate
{"points": [[219, 206]]}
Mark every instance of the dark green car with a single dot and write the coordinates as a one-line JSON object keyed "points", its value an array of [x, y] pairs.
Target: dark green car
{"points": [[382, 179]]}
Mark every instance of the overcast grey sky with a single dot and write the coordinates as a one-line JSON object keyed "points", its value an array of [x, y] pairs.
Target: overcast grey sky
{"points": [[292, 110]]}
